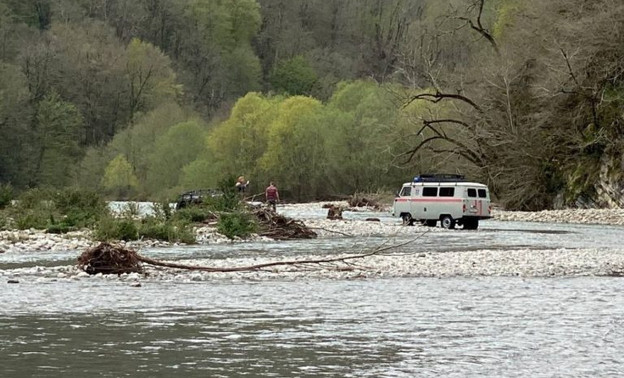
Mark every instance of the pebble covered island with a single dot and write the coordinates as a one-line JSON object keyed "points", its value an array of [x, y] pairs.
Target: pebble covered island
{"points": [[523, 262]]}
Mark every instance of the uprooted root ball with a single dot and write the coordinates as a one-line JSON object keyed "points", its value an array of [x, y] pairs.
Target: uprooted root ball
{"points": [[109, 259]]}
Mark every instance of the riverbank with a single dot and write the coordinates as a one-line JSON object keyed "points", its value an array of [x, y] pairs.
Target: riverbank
{"points": [[23, 241], [499, 260], [482, 263]]}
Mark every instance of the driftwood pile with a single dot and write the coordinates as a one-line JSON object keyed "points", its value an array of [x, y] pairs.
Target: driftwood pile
{"points": [[109, 259], [279, 227], [357, 201]]}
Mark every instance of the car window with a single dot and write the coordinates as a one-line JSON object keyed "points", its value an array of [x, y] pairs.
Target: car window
{"points": [[472, 193], [430, 191], [482, 193], [447, 192], [406, 192]]}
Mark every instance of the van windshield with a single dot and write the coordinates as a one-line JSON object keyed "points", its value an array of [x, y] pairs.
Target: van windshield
{"points": [[406, 192]]}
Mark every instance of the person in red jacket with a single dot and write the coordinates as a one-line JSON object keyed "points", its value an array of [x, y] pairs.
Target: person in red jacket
{"points": [[272, 195]]}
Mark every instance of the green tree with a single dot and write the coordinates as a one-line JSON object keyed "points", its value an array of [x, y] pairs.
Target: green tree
{"points": [[59, 141], [119, 179], [363, 124], [179, 146], [88, 64], [151, 79], [237, 144], [294, 76], [15, 133], [296, 156]]}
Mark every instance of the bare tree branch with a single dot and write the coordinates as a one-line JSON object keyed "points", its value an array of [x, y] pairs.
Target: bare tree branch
{"points": [[478, 27], [438, 96]]}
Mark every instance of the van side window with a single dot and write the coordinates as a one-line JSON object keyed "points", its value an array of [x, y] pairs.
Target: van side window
{"points": [[482, 193], [429, 191], [406, 192], [472, 192], [447, 192]]}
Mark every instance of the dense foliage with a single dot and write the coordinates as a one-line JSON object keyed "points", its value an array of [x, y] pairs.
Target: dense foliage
{"points": [[142, 99]]}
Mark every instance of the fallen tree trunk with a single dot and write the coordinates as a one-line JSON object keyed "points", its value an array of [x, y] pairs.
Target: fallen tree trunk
{"points": [[95, 260]]}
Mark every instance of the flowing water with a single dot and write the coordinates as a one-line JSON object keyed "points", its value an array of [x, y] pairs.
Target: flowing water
{"points": [[400, 327]]}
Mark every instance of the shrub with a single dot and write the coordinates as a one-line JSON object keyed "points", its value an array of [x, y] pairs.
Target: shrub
{"points": [[5, 221], [6, 195], [229, 200], [35, 199], [31, 218], [58, 212], [194, 214], [154, 228], [80, 208], [109, 228], [131, 210], [236, 224], [162, 210]]}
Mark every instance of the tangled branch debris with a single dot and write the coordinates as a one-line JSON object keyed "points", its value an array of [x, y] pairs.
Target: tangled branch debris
{"points": [[357, 201], [279, 227], [109, 259], [121, 260]]}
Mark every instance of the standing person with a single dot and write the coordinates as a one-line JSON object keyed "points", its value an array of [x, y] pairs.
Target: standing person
{"points": [[241, 184], [272, 195]]}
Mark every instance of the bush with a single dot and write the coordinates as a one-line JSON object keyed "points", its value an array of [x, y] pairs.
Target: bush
{"points": [[6, 195], [109, 228], [5, 222], [194, 214], [35, 199], [80, 208], [230, 199], [154, 228], [236, 224], [31, 218], [162, 210], [57, 212]]}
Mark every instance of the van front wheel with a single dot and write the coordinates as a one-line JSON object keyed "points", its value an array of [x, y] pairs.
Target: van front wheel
{"points": [[447, 222]]}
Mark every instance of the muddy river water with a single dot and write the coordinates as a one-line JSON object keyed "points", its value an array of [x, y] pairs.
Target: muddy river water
{"points": [[395, 327]]}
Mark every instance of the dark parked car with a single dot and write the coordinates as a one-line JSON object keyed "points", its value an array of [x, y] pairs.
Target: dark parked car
{"points": [[194, 197]]}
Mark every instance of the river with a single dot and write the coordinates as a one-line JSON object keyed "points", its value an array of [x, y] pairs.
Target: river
{"points": [[398, 327]]}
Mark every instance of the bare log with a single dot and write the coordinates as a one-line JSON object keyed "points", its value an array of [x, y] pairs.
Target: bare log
{"points": [[122, 260]]}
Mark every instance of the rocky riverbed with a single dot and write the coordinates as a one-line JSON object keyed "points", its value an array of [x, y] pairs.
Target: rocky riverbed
{"points": [[492, 261]]}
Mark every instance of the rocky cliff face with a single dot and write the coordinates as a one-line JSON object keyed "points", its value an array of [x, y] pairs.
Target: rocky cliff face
{"points": [[610, 186]]}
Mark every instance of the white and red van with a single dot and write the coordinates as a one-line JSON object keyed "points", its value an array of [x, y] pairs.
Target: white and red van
{"points": [[445, 198]]}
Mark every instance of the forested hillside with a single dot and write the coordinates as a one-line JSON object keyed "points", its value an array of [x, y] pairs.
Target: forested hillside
{"points": [[143, 99]]}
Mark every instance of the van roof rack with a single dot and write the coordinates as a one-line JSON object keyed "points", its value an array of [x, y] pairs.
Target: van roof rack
{"points": [[439, 177]]}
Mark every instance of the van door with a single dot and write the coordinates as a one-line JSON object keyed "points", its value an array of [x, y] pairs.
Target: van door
{"points": [[476, 202]]}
